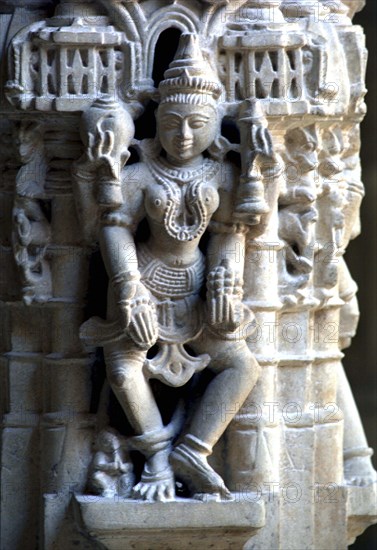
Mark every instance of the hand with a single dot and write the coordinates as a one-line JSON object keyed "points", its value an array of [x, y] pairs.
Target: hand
{"points": [[225, 306], [143, 326], [100, 151], [139, 317], [101, 145]]}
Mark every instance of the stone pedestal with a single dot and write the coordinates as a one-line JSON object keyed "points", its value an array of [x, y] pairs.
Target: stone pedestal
{"points": [[184, 523]]}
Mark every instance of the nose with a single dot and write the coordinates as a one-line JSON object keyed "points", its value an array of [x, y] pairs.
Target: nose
{"points": [[185, 130], [331, 166]]}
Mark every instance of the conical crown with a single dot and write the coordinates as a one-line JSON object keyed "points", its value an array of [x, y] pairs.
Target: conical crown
{"points": [[189, 73]]}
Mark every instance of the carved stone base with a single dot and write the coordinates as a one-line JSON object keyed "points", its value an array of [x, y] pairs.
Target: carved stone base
{"points": [[119, 524], [362, 510]]}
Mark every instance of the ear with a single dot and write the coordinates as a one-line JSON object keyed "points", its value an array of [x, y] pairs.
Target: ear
{"points": [[125, 156], [219, 148]]}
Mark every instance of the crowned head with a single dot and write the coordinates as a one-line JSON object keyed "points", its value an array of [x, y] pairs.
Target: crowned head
{"points": [[189, 79], [187, 114]]}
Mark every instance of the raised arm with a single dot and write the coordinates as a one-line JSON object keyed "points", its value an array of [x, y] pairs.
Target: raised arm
{"points": [[111, 223], [225, 258], [225, 276]]}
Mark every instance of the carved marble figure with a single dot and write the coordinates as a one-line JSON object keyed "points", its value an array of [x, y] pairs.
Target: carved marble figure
{"points": [[179, 183], [154, 293], [111, 471]]}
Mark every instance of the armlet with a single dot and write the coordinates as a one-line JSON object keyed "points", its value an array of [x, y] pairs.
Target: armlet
{"points": [[116, 218]]}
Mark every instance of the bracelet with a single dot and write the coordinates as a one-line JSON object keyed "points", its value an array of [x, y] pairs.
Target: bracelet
{"points": [[125, 277], [355, 452]]}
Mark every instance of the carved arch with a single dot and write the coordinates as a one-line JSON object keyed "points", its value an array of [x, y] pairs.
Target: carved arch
{"points": [[170, 16], [123, 18]]}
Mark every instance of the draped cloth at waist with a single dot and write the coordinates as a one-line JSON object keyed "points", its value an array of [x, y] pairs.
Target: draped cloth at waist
{"points": [[165, 281], [180, 309]]}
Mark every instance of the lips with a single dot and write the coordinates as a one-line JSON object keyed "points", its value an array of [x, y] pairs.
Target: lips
{"points": [[183, 145]]}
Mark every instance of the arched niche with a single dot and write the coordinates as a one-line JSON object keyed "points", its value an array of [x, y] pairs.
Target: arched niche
{"points": [[166, 18], [164, 52]]}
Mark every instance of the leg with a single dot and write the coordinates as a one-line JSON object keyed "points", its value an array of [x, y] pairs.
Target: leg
{"points": [[236, 373], [124, 366], [103, 484], [125, 374]]}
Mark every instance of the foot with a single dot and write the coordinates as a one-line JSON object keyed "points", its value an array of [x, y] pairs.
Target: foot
{"points": [[191, 467], [108, 493], [155, 487], [125, 485]]}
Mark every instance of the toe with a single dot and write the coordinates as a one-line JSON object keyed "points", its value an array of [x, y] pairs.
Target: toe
{"points": [[170, 492]]}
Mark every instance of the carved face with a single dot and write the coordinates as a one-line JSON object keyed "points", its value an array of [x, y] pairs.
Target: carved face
{"points": [[186, 130], [301, 146], [26, 141], [108, 442], [332, 147]]}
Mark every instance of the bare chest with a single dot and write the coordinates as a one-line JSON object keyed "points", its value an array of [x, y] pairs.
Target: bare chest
{"points": [[182, 202]]}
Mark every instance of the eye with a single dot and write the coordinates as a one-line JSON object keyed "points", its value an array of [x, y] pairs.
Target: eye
{"points": [[308, 147], [197, 123], [170, 123]]}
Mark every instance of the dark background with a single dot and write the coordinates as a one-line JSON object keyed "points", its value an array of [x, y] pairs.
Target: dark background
{"points": [[361, 358]]}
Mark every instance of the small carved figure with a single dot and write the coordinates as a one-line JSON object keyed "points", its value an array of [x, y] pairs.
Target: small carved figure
{"points": [[354, 193], [297, 214], [31, 229], [331, 204], [111, 470], [155, 292]]}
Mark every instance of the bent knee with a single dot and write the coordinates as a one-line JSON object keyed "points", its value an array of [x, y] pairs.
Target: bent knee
{"points": [[99, 479], [120, 376], [238, 357], [246, 359], [247, 365]]}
